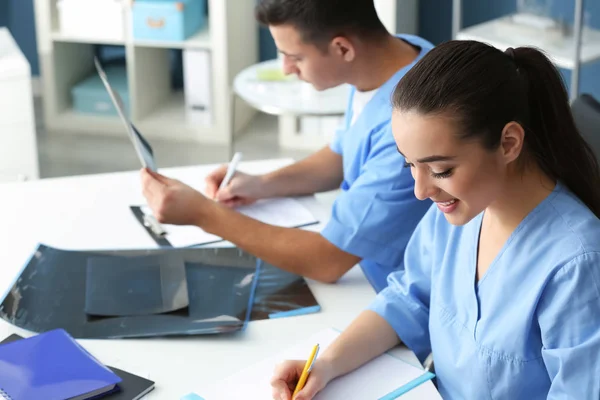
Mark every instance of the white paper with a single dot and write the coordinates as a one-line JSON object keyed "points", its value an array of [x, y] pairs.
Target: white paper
{"points": [[283, 212], [376, 379]]}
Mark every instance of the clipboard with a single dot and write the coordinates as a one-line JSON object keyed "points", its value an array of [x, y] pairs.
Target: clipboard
{"points": [[161, 237], [157, 235]]}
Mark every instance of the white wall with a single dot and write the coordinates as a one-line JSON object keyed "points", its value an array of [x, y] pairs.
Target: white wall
{"points": [[399, 16]]}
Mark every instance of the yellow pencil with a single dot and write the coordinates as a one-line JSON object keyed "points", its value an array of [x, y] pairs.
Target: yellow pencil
{"points": [[307, 367]]}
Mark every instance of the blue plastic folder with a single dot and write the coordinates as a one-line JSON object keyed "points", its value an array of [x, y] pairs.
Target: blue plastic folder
{"points": [[52, 366]]}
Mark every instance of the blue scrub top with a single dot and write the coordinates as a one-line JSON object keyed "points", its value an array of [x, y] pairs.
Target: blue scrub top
{"points": [[377, 210], [529, 329]]}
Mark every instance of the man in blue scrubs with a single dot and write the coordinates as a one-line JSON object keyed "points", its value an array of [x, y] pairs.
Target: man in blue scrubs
{"points": [[325, 43]]}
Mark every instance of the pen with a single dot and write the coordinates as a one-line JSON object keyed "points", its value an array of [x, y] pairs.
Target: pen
{"points": [[307, 368], [231, 170]]}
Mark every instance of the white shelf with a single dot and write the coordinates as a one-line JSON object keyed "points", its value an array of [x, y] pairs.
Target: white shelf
{"points": [[152, 127], [59, 37], [173, 110], [72, 121], [562, 55], [200, 40]]}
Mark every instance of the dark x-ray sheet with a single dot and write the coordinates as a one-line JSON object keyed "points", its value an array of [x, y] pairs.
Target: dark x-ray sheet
{"points": [[118, 294], [281, 294]]}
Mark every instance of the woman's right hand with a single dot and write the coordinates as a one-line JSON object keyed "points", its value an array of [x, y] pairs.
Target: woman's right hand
{"points": [[288, 373]]}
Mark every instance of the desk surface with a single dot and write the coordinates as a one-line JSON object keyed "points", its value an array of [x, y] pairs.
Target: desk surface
{"points": [[92, 212], [292, 97]]}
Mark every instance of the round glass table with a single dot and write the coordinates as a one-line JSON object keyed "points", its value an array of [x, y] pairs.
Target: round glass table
{"points": [[284, 96]]}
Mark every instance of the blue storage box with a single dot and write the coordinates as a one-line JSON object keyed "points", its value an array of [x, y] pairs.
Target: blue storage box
{"points": [[167, 20], [90, 95]]}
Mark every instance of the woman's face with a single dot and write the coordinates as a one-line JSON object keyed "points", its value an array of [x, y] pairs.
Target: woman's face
{"points": [[460, 176]]}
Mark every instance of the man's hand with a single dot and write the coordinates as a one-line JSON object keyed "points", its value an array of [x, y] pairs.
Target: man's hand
{"points": [[171, 201], [243, 188]]}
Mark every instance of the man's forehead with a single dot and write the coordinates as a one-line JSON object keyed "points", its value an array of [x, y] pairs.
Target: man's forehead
{"points": [[288, 38]]}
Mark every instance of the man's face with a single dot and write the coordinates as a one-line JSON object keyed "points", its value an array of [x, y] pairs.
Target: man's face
{"points": [[324, 68]]}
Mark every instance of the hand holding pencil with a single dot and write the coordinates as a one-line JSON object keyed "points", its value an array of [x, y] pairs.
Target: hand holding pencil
{"points": [[301, 380]]}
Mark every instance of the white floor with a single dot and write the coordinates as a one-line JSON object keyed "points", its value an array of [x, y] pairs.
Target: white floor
{"points": [[81, 154]]}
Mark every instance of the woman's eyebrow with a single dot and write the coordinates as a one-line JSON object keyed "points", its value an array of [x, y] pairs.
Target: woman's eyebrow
{"points": [[429, 159]]}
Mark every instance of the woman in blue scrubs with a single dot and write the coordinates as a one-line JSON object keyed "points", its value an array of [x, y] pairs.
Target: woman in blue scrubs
{"points": [[501, 278]]}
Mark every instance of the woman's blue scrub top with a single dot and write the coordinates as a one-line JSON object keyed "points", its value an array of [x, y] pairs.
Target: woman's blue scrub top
{"points": [[528, 329]]}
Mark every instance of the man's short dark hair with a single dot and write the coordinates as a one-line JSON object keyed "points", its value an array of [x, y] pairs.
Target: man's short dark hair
{"points": [[319, 21]]}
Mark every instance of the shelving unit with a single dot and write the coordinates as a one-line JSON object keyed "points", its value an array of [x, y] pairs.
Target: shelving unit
{"points": [[571, 55], [158, 111]]}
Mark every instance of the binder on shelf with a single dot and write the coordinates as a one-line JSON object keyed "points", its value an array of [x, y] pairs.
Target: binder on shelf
{"points": [[197, 87]]}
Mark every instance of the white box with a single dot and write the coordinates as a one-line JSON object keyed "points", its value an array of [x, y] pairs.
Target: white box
{"points": [[92, 19], [197, 87]]}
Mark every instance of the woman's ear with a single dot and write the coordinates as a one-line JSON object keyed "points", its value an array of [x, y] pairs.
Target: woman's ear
{"points": [[512, 141]]}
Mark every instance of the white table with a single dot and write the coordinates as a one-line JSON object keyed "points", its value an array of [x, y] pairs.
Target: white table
{"points": [[92, 212], [288, 99]]}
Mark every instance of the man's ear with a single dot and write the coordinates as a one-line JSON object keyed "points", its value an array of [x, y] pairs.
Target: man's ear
{"points": [[343, 48]]}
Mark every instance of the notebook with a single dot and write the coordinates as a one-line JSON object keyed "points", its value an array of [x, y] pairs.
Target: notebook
{"points": [[52, 366], [385, 377], [132, 387]]}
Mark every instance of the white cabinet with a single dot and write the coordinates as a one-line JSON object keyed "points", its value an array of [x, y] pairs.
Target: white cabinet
{"points": [[18, 144]]}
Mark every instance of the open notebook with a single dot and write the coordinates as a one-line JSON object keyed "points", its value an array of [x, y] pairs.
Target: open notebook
{"points": [[284, 212], [384, 378]]}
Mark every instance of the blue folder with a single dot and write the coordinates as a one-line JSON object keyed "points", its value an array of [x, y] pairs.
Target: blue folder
{"points": [[52, 366]]}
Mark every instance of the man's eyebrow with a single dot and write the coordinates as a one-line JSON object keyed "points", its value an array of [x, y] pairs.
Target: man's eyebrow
{"points": [[430, 159], [288, 54]]}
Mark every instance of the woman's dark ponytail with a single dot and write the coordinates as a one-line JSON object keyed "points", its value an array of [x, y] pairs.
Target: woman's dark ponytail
{"points": [[554, 141], [483, 89]]}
